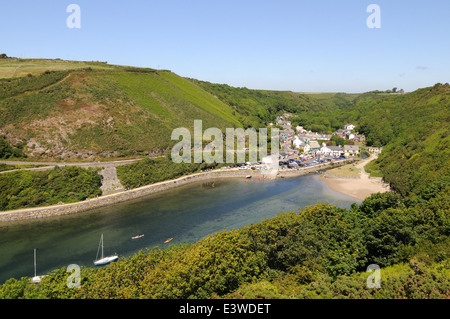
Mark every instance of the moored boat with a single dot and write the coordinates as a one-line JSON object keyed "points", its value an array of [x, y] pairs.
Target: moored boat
{"points": [[104, 260], [36, 279]]}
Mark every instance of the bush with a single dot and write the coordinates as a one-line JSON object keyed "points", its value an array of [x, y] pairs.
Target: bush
{"points": [[21, 189]]}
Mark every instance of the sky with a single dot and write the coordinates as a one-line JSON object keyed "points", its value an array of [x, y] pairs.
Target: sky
{"points": [[296, 45]]}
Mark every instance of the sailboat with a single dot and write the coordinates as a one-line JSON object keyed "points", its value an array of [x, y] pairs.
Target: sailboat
{"points": [[36, 279], [104, 260]]}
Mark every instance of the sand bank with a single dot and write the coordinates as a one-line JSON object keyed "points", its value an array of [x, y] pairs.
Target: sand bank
{"points": [[358, 187]]}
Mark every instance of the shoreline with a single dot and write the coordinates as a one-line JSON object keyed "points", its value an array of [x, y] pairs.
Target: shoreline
{"points": [[122, 196], [359, 187]]}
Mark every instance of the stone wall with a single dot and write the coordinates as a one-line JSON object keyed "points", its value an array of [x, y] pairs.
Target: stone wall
{"points": [[58, 210]]}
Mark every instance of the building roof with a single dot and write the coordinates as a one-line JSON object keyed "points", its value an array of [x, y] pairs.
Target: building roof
{"points": [[351, 147], [335, 148], [314, 144]]}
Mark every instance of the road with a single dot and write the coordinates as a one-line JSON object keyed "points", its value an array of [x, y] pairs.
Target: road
{"points": [[110, 182], [80, 164]]}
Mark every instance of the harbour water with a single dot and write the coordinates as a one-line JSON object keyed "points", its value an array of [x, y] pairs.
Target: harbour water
{"points": [[186, 214]]}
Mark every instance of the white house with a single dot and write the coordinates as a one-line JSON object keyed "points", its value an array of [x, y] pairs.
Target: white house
{"points": [[324, 149], [350, 135], [297, 142], [349, 127], [333, 151], [306, 148]]}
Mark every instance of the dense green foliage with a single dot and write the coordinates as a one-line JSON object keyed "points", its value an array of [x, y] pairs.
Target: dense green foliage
{"points": [[257, 108], [414, 128], [153, 170], [319, 252], [22, 189], [7, 151], [318, 112]]}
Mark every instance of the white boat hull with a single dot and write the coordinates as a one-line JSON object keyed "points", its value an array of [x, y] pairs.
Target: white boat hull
{"points": [[36, 279], [106, 260]]}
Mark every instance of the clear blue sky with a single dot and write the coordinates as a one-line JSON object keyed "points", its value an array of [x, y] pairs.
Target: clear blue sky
{"points": [[303, 46]]}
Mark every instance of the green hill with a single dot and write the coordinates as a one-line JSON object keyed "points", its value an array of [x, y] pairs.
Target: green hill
{"points": [[76, 110], [257, 108], [414, 130]]}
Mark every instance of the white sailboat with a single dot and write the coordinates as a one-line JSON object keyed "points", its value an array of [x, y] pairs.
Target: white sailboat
{"points": [[104, 260], [36, 279]]}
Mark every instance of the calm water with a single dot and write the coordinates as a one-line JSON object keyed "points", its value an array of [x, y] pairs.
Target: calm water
{"points": [[187, 214]]}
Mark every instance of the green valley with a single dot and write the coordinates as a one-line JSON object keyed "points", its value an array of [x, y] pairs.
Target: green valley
{"points": [[97, 111]]}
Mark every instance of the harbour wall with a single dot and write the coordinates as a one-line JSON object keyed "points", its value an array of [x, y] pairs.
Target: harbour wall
{"points": [[102, 201]]}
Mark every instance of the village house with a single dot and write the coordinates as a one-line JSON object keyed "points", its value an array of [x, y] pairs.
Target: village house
{"points": [[314, 146], [375, 150], [360, 138], [349, 135], [333, 151], [288, 132], [315, 136], [306, 148], [351, 150], [297, 142], [279, 120], [336, 151], [349, 127], [340, 133], [324, 150], [300, 129]]}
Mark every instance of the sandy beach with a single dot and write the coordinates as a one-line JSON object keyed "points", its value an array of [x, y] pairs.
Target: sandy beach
{"points": [[358, 187]]}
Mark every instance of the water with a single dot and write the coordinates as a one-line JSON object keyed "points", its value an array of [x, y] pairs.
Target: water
{"points": [[187, 214]]}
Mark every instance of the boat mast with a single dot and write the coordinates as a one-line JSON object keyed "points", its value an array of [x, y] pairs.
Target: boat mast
{"points": [[102, 246], [35, 262]]}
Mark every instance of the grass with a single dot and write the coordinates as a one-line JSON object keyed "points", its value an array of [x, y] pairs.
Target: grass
{"points": [[13, 67], [79, 108], [344, 171], [8, 167]]}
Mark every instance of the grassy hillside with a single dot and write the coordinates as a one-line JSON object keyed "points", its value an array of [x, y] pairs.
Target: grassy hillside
{"points": [[319, 112], [414, 128], [257, 108], [93, 110]]}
